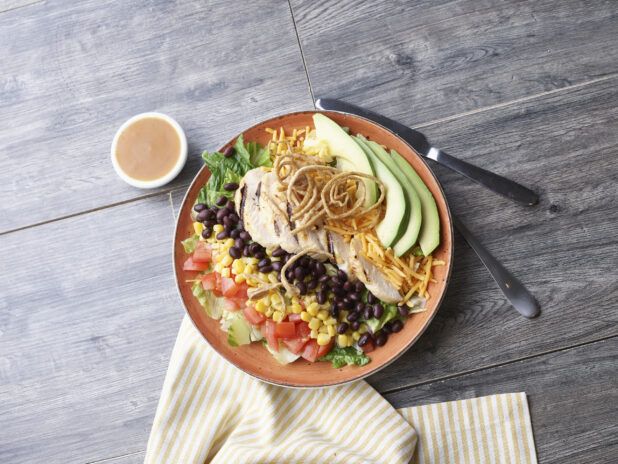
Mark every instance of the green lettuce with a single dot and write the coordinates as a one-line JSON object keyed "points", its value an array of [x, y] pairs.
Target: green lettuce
{"points": [[189, 243], [390, 313], [211, 304], [348, 356]]}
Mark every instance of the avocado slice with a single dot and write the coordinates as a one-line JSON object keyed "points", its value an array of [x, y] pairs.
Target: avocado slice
{"points": [[429, 237], [350, 157], [414, 217], [396, 214]]}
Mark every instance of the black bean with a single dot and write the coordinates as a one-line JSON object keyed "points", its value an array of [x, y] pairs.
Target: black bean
{"points": [[265, 269], [299, 273], [211, 215], [359, 286], [228, 152], [334, 310], [304, 261], [222, 235], [227, 229], [207, 232], [359, 307], [352, 317], [279, 252], [221, 214], [277, 265], [397, 326], [230, 205], [301, 287], [342, 327], [341, 305], [230, 186], [378, 310], [371, 299], [201, 216], [199, 207], [260, 254], [312, 284], [238, 243], [339, 291], [227, 221], [348, 286], [213, 209], [320, 269], [264, 262], [245, 235], [381, 338], [324, 279], [222, 200], [289, 274], [279, 276], [347, 301], [355, 325], [321, 297], [288, 257], [241, 225], [234, 217], [368, 312], [354, 296], [246, 251], [235, 252], [342, 275], [402, 310], [254, 247], [364, 339], [210, 223], [387, 328]]}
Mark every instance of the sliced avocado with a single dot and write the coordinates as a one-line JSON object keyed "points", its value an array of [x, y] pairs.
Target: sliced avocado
{"points": [[408, 238], [239, 332], [349, 155], [395, 221], [429, 237]]}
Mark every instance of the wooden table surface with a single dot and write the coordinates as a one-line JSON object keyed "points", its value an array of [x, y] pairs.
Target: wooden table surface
{"points": [[88, 306]]}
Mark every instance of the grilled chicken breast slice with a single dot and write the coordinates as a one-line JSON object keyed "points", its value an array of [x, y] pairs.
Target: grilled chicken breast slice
{"points": [[282, 229], [371, 276]]}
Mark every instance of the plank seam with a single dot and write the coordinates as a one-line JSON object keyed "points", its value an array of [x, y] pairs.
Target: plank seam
{"points": [[302, 55], [116, 457], [22, 6], [493, 366]]}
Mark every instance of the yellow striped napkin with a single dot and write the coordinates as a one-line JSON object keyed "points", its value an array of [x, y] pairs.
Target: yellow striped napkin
{"points": [[211, 412]]}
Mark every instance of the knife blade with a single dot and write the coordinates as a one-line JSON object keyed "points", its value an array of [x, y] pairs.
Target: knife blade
{"points": [[494, 182]]}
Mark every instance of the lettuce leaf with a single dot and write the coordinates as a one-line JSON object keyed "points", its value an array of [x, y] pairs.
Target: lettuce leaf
{"points": [[348, 356], [189, 243], [390, 313], [211, 304]]}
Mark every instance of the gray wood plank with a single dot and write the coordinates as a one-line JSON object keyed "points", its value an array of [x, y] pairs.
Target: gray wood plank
{"points": [[420, 61], [133, 458], [572, 396], [563, 249], [7, 6], [72, 72], [87, 328]]}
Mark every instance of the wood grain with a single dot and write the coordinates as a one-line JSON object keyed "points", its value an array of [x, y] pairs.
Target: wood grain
{"points": [[572, 397], [87, 328], [72, 72], [6, 6], [425, 60]]}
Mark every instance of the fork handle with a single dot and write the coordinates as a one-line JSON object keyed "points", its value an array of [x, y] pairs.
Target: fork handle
{"points": [[494, 182]]}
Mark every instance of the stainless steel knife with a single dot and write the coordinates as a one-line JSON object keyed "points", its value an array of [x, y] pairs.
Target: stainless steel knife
{"points": [[502, 185]]}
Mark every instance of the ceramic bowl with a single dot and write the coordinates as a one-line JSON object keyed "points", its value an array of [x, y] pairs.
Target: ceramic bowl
{"points": [[254, 359]]}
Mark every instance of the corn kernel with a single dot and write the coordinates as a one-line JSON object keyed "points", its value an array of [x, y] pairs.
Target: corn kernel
{"points": [[322, 315], [272, 277], [323, 329], [217, 228], [323, 339], [218, 268], [313, 309], [252, 283], [267, 300], [278, 316], [238, 266], [362, 329], [355, 335], [330, 321], [315, 323], [276, 303], [252, 261], [295, 300], [250, 269], [198, 227], [269, 253], [305, 316], [239, 279], [229, 243], [314, 334], [331, 330], [342, 340], [260, 306], [298, 309], [226, 260], [269, 312], [225, 272]]}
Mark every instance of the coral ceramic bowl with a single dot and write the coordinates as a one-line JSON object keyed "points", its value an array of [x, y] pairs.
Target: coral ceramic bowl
{"points": [[254, 359]]}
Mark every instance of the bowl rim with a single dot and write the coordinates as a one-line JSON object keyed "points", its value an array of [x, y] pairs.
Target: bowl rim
{"points": [[165, 179], [411, 342]]}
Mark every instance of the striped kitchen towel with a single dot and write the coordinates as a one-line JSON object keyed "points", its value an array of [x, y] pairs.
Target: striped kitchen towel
{"points": [[211, 412]]}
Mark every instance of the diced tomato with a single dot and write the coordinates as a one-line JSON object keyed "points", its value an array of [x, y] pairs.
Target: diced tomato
{"points": [[302, 330], [369, 347], [310, 352], [294, 318], [322, 350], [231, 304], [228, 286], [285, 330], [253, 316], [269, 333], [191, 265], [209, 281], [295, 345], [242, 290], [202, 253]]}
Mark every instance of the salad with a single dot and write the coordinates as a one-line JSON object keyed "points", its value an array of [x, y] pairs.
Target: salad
{"points": [[318, 245]]}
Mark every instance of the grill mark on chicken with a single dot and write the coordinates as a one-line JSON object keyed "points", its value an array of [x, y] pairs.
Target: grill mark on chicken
{"points": [[243, 197]]}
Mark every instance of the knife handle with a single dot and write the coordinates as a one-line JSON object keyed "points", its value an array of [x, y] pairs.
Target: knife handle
{"points": [[498, 184], [512, 288]]}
